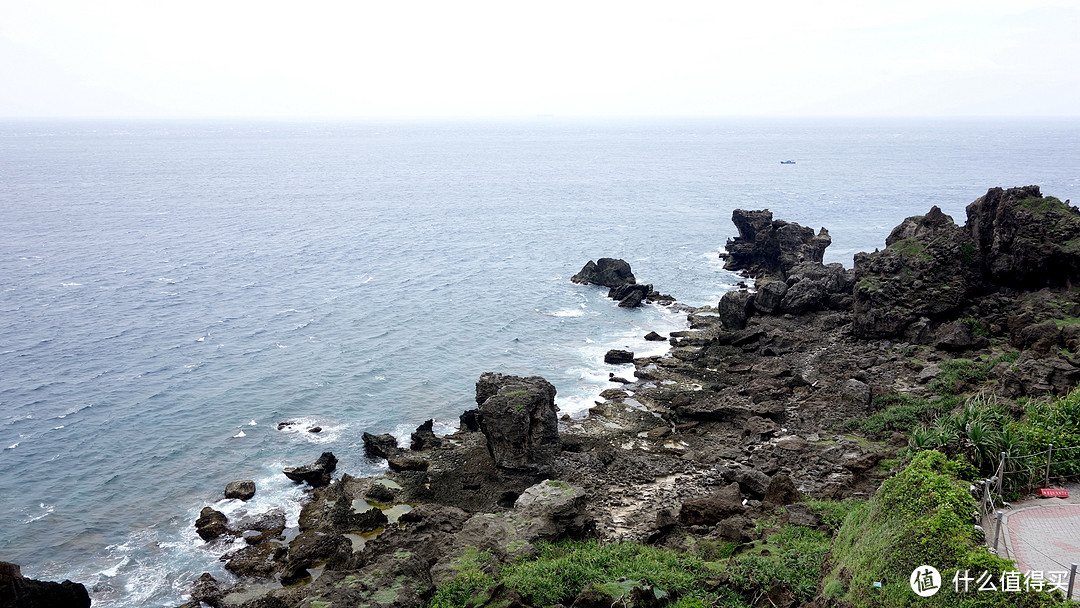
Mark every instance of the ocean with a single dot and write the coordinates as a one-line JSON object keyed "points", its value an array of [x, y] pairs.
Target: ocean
{"points": [[171, 291]]}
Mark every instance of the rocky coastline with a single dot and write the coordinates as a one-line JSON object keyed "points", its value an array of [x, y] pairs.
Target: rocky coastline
{"points": [[756, 415]]}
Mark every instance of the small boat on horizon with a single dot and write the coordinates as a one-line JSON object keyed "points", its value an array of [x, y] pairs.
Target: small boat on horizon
{"points": [[787, 162]]}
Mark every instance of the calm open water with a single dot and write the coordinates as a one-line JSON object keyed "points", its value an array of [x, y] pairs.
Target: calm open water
{"points": [[169, 292]]}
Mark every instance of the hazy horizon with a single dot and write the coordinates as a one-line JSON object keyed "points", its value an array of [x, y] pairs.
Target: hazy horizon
{"points": [[124, 59]]}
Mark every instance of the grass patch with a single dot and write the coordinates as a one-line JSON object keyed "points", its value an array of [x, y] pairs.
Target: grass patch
{"points": [[563, 569], [902, 413], [909, 247], [920, 516], [472, 575]]}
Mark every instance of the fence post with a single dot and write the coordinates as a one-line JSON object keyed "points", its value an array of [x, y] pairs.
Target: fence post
{"points": [[997, 532], [1072, 577], [1049, 453], [1000, 472]]}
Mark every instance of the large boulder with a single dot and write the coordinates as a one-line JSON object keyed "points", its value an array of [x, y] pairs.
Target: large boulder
{"points": [[618, 356], [519, 421], [17, 591], [712, 509], [380, 446], [317, 474], [545, 512], [803, 296], [771, 247], [609, 272], [735, 308], [242, 490], [769, 294], [212, 524], [1025, 240]]}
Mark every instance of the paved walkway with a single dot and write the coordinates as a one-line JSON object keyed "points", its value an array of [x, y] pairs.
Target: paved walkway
{"points": [[1044, 535]]}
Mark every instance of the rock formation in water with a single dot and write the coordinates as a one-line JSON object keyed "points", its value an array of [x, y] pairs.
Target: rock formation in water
{"points": [[771, 247]]}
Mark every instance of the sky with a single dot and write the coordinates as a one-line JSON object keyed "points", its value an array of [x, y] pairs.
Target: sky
{"points": [[360, 59]]}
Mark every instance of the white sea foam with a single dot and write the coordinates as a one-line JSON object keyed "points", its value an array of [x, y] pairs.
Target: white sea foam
{"points": [[253, 423], [72, 284], [568, 312], [111, 572], [47, 510], [201, 339], [13, 446], [240, 434], [299, 428]]}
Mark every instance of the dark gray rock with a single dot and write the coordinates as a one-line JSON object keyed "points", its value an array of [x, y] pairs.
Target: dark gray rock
{"points": [[380, 446], [212, 524], [803, 296], [424, 437], [17, 591], [652, 336], [751, 481], [519, 421], [782, 490], [771, 247], [618, 357], [724, 503], [470, 420], [801, 514], [608, 272], [256, 561], [957, 336], [242, 490], [857, 392], [735, 308], [317, 474], [768, 296], [208, 590]]}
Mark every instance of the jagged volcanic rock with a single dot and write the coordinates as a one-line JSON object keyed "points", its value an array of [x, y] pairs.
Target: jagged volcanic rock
{"points": [[771, 247], [609, 272], [317, 474], [519, 420], [17, 591]]}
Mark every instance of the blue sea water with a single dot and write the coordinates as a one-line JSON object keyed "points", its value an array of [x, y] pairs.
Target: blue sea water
{"points": [[169, 292]]}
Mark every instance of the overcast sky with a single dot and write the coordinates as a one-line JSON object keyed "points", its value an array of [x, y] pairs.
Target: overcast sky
{"points": [[144, 58]]}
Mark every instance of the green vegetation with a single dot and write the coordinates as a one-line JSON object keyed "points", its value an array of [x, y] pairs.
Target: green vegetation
{"points": [[907, 413], [1044, 205], [920, 516], [909, 247], [791, 558], [902, 413], [517, 393], [473, 575], [967, 253], [977, 326], [983, 429]]}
